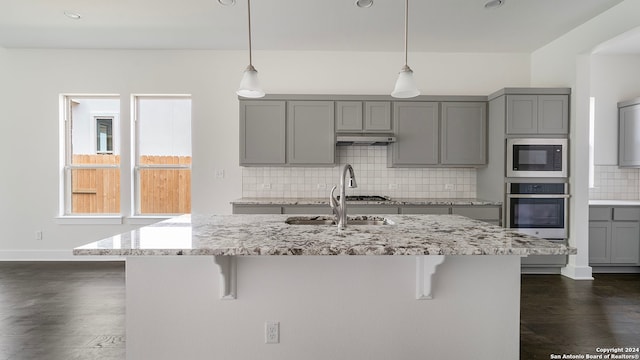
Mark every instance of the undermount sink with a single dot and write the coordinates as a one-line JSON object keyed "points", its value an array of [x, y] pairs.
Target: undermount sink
{"points": [[328, 220]]}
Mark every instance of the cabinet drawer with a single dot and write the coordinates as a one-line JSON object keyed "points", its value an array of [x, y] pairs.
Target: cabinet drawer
{"points": [[416, 210], [599, 213], [256, 209], [479, 213], [371, 209], [307, 209], [626, 213]]}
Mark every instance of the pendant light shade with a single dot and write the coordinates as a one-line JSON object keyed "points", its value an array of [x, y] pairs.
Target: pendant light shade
{"points": [[249, 85], [405, 85]]}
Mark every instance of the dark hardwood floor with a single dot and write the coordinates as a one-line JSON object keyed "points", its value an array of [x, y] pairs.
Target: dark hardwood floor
{"points": [[62, 310], [75, 310], [563, 316]]}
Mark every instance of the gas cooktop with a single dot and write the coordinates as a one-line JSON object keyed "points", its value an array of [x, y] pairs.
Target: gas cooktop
{"points": [[366, 198]]}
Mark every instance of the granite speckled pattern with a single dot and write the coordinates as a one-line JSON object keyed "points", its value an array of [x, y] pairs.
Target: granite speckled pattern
{"points": [[270, 235], [392, 201]]}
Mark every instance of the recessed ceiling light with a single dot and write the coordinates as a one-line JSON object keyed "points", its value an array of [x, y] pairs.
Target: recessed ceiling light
{"points": [[72, 15], [364, 3], [494, 4], [227, 2]]}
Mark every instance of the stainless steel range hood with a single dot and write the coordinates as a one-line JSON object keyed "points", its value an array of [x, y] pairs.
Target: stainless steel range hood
{"points": [[364, 139]]}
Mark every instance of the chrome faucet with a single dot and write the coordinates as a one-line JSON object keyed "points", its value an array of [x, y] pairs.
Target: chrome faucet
{"points": [[341, 210]]}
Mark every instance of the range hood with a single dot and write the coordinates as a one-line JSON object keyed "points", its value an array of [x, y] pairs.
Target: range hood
{"points": [[364, 139]]}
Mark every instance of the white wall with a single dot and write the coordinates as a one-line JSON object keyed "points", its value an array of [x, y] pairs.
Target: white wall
{"points": [[37, 77], [84, 123], [567, 62], [614, 78]]}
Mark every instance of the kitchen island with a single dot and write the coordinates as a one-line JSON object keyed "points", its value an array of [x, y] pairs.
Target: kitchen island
{"points": [[421, 286]]}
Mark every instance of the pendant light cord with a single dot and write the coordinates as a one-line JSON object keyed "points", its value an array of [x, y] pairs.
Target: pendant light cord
{"points": [[249, 16], [406, 30]]}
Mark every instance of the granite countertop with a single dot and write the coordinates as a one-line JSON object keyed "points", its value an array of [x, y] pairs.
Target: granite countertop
{"points": [[391, 201], [615, 202], [270, 235]]}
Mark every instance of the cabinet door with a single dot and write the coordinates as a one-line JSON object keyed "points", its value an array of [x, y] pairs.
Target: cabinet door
{"points": [[377, 116], [262, 132], [417, 132], [625, 243], [629, 137], [599, 242], [553, 114], [348, 116], [417, 209], [464, 133], [522, 114], [311, 137]]}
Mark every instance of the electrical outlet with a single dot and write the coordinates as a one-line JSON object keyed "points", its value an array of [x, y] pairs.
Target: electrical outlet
{"points": [[322, 187], [219, 174], [266, 186], [394, 186], [449, 187], [271, 332], [38, 235]]}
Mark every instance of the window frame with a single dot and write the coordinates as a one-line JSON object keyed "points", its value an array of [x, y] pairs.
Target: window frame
{"points": [[65, 211], [136, 167]]}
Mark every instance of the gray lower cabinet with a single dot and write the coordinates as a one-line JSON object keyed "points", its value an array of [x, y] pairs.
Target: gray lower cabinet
{"points": [[485, 213], [262, 133], [310, 133], [629, 134], [537, 114], [490, 214], [417, 132], [464, 133], [614, 236]]}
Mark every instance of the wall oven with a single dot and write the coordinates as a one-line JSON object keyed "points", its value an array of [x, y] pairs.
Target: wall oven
{"points": [[538, 209], [537, 158]]}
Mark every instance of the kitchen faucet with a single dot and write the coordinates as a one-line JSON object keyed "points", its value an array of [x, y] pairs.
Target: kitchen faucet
{"points": [[341, 210]]}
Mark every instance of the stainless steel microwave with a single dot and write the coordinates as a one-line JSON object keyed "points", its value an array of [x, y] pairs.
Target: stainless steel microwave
{"points": [[537, 158]]}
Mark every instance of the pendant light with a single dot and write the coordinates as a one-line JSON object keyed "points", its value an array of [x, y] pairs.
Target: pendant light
{"points": [[249, 85], [405, 85]]}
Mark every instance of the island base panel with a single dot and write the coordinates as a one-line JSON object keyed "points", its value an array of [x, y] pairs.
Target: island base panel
{"points": [[328, 307]]}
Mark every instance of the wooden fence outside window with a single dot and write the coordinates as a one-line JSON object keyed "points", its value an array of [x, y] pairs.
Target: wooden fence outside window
{"points": [[162, 191]]}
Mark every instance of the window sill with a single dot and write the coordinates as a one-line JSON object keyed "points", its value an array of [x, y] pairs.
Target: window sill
{"points": [[89, 220], [147, 220]]}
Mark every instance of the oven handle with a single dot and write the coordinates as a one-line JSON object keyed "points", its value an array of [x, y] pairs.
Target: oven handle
{"points": [[537, 196]]}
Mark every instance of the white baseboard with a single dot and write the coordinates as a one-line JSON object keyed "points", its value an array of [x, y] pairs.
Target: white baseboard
{"points": [[577, 272], [51, 255]]}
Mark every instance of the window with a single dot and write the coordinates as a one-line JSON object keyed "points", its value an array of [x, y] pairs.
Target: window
{"points": [[91, 165], [104, 135], [162, 160]]}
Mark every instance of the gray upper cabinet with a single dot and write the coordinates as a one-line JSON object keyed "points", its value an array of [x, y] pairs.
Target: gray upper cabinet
{"points": [[417, 135], [538, 114], [348, 115], [310, 133], [375, 118], [463, 137], [629, 135], [262, 133]]}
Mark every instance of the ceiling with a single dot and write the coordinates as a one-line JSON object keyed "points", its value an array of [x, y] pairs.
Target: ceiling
{"points": [[324, 25]]}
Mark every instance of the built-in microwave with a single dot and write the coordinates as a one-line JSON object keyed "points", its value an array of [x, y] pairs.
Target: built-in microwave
{"points": [[537, 157]]}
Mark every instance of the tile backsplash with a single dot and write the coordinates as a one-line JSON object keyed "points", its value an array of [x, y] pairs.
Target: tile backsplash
{"points": [[372, 175], [614, 183]]}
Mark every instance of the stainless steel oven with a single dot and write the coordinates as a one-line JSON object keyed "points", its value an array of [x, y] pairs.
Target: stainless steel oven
{"points": [[538, 209], [537, 158]]}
